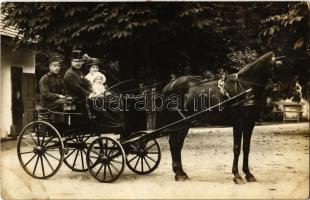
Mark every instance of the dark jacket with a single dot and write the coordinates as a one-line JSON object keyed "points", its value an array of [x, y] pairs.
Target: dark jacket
{"points": [[51, 86], [75, 84]]}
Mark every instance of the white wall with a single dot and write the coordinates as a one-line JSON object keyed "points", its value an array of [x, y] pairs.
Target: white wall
{"points": [[305, 109], [20, 58]]}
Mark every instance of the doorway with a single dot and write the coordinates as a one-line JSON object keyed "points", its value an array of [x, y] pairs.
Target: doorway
{"points": [[17, 102], [28, 97]]}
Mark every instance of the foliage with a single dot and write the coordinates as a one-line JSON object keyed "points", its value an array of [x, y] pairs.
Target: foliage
{"points": [[159, 34], [292, 23], [151, 40], [287, 31], [239, 59]]}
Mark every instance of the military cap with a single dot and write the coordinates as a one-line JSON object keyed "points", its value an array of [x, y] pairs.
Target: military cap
{"points": [[76, 54]]}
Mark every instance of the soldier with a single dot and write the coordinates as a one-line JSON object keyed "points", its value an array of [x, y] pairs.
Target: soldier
{"points": [[76, 85], [51, 87]]}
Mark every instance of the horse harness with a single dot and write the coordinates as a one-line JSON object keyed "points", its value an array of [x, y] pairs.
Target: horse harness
{"points": [[250, 98]]}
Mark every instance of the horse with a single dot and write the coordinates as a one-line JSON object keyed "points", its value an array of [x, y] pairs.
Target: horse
{"points": [[240, 116]]}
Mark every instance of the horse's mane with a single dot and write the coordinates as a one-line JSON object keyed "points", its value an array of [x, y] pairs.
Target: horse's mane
{"points": [[194, 77]]}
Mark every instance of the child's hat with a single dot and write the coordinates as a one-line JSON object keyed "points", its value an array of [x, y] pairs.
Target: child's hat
{"points": [[98, 74]]}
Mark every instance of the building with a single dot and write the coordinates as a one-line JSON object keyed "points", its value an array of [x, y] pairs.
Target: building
{"points": [[17, 84]]}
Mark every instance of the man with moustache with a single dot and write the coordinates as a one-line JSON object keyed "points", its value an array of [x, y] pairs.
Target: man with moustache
{"points": [[51, 87], [76, 85]]}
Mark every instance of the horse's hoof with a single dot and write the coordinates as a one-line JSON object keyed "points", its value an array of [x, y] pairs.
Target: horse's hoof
{"points": [[181, 177], [250, 178], [238, 180]]}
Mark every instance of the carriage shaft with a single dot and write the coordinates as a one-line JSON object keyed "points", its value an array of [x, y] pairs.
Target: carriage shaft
{"points": [[186, 122]]}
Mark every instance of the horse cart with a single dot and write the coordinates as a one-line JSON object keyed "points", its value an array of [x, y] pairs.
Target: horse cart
{"points": [[75, 137]]}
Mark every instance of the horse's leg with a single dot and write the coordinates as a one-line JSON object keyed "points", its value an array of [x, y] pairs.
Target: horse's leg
{"points": [[247, 133], [176, 141], [237, 131]]}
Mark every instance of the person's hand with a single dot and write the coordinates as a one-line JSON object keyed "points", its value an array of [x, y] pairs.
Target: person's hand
{"points": [[85, 57], [107, 93], [69, 98], [93, 95], [95, 60], [61, 96]]}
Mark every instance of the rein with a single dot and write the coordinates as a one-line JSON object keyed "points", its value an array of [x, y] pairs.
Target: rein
{"points": [[201, 82], [238, 81], [137, 89], [251, 83], [152, 85]]}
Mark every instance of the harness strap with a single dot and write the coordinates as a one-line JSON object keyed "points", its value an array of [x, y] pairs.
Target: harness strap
{"points": [[247, 82], [251, 83], [238, 81], [172, 84], [249, 98]]}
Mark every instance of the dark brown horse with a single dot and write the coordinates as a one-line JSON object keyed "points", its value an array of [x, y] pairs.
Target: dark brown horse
{"points": [[241, 117]]}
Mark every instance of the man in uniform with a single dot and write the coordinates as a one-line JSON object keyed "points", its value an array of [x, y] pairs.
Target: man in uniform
{"points": [[76, 85], [51, 87]]}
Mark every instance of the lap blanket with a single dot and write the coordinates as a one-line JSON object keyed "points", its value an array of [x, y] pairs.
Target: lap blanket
{"points": [[105, 113]]}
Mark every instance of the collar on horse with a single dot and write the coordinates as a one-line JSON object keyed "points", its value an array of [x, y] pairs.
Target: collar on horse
{"points": [[251, 98], [247, 82]]}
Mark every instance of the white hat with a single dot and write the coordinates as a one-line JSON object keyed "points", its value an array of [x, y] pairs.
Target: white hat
{"points": [[99, 74]]}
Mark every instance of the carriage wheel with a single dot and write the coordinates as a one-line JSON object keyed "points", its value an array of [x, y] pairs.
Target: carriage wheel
{"points": [[143, 158], [76, 149], [40, 149], [105, 159]]}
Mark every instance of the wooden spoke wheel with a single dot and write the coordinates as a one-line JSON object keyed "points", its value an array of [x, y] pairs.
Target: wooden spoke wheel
{"points": [[40, 149], [105, 159], [143, 158], [76, 149]]}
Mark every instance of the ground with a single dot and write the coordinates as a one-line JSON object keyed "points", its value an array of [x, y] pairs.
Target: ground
{"points": [[279, 159]]}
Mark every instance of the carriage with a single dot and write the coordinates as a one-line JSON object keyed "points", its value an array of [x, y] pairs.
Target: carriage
{"points": [[74, 137]]}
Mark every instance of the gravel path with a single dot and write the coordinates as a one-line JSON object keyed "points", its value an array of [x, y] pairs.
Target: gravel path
{"points": [[279, 159]]}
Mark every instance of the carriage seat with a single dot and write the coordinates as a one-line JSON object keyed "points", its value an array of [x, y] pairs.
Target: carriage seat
{"points": [[41, 113], [69, 105], [40, 109]]}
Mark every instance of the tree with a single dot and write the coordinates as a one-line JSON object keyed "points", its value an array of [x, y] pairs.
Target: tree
{"points": [[147, 37], [151, 40], [287, 30]]}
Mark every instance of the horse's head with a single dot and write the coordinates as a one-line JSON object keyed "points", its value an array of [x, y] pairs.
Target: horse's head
{"points": [[259, 71]]}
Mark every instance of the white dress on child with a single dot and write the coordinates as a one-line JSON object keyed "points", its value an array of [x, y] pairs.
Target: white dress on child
{"points": [[98, 88]]}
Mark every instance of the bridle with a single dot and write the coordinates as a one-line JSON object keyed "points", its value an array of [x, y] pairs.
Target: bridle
{"points": [[238, 81]]}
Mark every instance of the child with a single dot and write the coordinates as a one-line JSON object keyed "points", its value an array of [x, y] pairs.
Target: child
{"points": [[98, 81], [92, 71]]}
